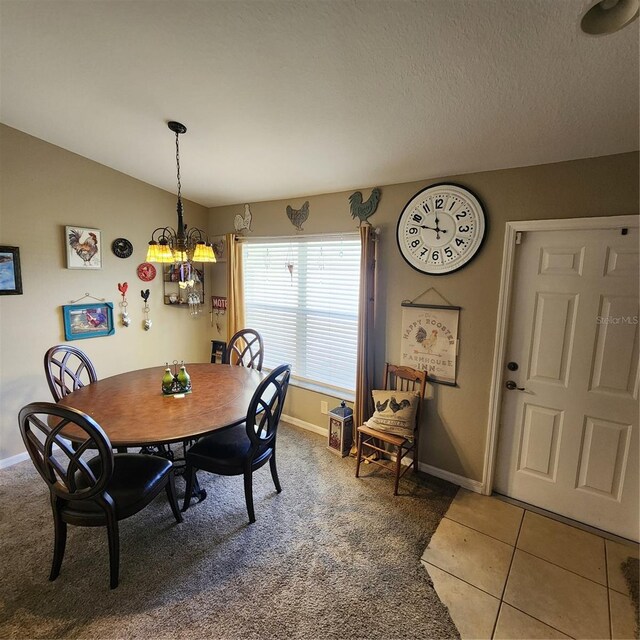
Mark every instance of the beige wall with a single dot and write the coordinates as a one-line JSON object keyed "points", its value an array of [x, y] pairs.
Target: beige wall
{"points": [[44, 188], [455, 423]]}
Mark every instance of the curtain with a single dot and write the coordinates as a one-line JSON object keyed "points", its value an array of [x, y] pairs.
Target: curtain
{"points": [[235, 297], [363, 405]]}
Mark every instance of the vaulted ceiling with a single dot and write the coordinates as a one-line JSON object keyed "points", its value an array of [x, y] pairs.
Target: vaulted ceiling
{"points": [[284, 99]]}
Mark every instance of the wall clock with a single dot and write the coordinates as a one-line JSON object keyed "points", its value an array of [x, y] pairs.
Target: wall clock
{"points": [[122, 248], [146, 272], [440, 229]]}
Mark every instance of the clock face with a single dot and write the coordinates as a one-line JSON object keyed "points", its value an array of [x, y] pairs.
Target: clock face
{"points": [[146, 272], [122, 248], [440, 229]]}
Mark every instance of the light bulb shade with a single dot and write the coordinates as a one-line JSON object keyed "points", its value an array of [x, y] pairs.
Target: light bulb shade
{"points": [[152, 252], [200, 253], [211, 253], [179, 256], [164, 253]]}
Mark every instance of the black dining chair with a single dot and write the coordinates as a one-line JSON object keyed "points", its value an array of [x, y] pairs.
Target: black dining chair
{"points": [[245, 349], [67, 368], [244, 448], [89, 485]]}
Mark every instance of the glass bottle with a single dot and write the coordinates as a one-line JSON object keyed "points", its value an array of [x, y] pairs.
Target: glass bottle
{"points": [[167, 380], [184, 379]]}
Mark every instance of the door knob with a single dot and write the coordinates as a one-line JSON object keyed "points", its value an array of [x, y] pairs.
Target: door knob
{"points": [[511, 385], [512, 366]]}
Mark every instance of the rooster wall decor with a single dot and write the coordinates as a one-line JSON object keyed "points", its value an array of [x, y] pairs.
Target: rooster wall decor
{"points": [[364, 210], [84, 248], [298, 216], [144, 294], [243, 222]]}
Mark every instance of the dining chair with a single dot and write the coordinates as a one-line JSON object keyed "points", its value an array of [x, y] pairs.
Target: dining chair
{"points": [[396, 420], [67, 368], [89, 485], [245, 349], [244, 448]]}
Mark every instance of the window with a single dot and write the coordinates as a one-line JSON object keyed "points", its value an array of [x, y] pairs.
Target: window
{"points": [[302, 296]]}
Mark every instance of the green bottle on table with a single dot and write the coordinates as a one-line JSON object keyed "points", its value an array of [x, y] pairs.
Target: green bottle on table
{"points": [[184, 379], [167, 381]]}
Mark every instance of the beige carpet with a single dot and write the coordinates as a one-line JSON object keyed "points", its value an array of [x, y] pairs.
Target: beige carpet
{"points": [[332, 556]]}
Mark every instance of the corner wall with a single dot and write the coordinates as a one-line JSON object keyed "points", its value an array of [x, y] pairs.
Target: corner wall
{"points": [[455, 421], [44, 188]]}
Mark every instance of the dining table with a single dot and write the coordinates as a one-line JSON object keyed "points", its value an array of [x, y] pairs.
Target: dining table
{"points": [[133, 411]]}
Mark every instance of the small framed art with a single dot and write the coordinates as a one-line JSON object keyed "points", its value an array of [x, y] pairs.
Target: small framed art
{"points": [[10, 275], [219, 244], [84, 248], [88, 320]]}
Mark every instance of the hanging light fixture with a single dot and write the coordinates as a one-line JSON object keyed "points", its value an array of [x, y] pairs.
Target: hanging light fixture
{"points": [[180, 246]]}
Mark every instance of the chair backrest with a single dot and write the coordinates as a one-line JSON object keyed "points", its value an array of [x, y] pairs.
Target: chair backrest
{"points": [[245, 349], [67, 369], [67, 474], [406, 379], [266, 406]]}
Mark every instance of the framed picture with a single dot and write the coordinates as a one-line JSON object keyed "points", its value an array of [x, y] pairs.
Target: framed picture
{"points": [[88, 320], [10, 275], [219, 244], [430, 340], [84, 248]]}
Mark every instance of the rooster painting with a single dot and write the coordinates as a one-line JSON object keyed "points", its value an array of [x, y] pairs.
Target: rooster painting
{"points": [[428, 342], [364, 210], [84, 247], [298, 216], [243, 222]]}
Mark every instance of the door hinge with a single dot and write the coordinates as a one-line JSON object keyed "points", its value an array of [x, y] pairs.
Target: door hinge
{"points": [[518, 237]]}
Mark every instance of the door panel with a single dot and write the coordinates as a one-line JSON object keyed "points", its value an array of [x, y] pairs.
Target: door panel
{"points": [[568, 436]]}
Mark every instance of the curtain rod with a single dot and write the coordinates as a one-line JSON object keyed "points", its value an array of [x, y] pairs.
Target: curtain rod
{"points": [[310, 237]]}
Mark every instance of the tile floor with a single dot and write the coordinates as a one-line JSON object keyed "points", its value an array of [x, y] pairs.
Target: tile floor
{"points": [[507, 572]]}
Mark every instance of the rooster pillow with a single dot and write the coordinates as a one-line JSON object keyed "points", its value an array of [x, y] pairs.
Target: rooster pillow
{"points": [[395, 412]]}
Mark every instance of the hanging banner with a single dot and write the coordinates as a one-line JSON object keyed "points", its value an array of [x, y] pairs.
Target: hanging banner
{"points": [[430, 340]]}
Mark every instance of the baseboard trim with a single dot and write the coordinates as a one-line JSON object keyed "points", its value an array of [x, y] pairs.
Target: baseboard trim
{"points": [[461, 481], [296, 422], [9, 462]]}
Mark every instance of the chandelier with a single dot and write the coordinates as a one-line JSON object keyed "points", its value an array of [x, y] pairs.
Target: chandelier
{"points": [[181, 246]]}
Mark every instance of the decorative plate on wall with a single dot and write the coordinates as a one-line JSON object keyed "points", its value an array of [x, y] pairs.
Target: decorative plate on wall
{"points": [[122, 248], [146, 272]]}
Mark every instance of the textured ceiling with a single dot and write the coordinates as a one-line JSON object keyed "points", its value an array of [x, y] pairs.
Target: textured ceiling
{"points": [[285, 99]]}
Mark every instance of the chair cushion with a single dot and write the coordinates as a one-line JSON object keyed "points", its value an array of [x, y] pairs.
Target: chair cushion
{"points": [[136, 480], [222, 451], [395, 412]]}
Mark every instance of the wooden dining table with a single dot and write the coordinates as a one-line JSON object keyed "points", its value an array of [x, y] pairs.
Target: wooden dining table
{"points": [[133, 412]]}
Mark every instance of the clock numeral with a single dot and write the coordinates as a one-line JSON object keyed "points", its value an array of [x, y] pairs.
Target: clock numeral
{"points": [[459, 242], [435, 255], [448, 252], [439, 203], [417, 218], [413, 231], [453, 204], [459, 216], [415, 243], [424, 252], [463, 229], [425, 206]]}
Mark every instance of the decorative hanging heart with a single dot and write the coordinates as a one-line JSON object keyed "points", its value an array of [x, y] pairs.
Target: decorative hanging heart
{"points": [[122, 288], [145, 294]]}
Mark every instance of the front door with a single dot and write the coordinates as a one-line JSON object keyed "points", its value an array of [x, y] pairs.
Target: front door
{"points": [[568, 435]]}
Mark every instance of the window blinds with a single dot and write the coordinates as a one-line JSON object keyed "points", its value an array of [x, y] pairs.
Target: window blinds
{"points": [[301, 295]]}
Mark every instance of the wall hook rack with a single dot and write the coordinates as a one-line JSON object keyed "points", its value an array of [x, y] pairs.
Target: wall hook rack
{"points": [[87, 295]]}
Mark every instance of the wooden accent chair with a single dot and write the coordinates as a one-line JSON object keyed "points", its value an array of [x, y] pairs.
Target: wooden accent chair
{"points": [[67, 368], [399, 379], [89, 485], [245, 349], [241, 450]]}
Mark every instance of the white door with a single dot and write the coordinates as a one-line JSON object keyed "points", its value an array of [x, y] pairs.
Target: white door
{"points": [[568, 434]]}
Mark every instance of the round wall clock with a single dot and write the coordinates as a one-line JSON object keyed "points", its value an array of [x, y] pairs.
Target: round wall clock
{"points": [[122, 248], [146, 272], [440, 229]]}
